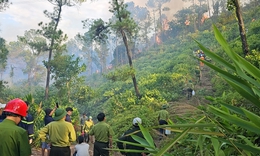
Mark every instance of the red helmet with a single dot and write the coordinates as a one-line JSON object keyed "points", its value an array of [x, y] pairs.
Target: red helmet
{"points": [[16, 106]]}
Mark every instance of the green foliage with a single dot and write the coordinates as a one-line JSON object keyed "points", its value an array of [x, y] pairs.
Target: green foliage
{"points": [[98, 30], [254, 58], [3, 54], [120, 74], [244, 79]]}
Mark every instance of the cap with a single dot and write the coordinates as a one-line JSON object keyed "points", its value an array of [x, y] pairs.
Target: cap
{"points": [[59, 114], [164, 106], [2, 105], [137, 120]]}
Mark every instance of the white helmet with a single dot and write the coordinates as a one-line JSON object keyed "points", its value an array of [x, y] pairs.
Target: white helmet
{"points": [[136, 121]]}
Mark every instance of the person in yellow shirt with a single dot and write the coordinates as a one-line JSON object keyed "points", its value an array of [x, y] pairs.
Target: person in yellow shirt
{"points": [[86, 128], [61, 134]]}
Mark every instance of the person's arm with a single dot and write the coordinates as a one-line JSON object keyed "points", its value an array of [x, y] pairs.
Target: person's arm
{"points": [[91, 133], [84, 126], [167, 117], [110, 141], [81, 121], [43, 132], [53, 110], [72, 134], [30, 129], [110, 134], [24, 144]]}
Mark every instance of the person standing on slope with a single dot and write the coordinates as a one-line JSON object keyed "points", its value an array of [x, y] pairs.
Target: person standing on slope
{"points": [[103, 136], [163, 117], [127, 136]]}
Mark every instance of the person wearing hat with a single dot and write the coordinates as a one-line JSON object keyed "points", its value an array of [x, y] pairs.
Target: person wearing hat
{"points": [[14, 139], [61, 134], [127, 136], [90, 119], [163, 117], [86, 128], [2, 116], [103, 136], [47, 119]]}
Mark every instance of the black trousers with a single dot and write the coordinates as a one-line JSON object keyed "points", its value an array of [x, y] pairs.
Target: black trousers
{"points": [[189, 92], [99, 149], [86, 136], [162, 122], [60, 151]]}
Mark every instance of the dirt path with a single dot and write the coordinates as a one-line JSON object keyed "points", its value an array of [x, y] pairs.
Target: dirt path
{"points": [[38, 152]]}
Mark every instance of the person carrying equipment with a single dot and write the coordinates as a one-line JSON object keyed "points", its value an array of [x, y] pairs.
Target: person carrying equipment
{"points": [[127, 136], [14, 139], [163, 117], [190, 88]]}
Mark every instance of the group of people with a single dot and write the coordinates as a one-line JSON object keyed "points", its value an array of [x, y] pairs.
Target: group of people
{"points": [[58, 133], [16, 130]]}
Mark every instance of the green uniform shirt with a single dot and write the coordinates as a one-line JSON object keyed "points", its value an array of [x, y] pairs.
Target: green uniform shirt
{"points": [[61, 133], [14, 140], [102, 131], [163, 115], [190, 85]]}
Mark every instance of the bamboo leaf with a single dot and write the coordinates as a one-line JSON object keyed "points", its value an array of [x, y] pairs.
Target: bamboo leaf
{"points": [[193, 125], [216, 146], [251, 116], [235, 120], [252, 149], [198, 132], [172, 142], [135, 144], [240, 85], [216, 58], [221, 40], [147, 136]]}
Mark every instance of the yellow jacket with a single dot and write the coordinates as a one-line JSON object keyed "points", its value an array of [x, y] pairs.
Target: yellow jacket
{"points": [[87, 126]]}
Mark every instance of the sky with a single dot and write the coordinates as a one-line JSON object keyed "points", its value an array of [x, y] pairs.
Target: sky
{"points": [[24, 15]]}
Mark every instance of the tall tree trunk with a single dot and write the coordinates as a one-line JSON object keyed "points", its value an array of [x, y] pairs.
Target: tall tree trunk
{"points": [[129, 56], [241, 28], [154, 28], [160, 17], [209, 10], [50, 55], [130, 63]]}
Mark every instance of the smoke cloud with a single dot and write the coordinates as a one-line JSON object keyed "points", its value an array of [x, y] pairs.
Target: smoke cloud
{"points": [[174, 5]]}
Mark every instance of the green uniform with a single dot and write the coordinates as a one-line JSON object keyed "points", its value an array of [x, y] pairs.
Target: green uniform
{"points": [[163, 115], [14, 140], [190, 86], [102, 131], [61, 133]]}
